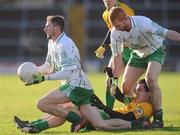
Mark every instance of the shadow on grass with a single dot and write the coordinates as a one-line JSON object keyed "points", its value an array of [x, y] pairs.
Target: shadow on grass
{"points": [[169, 129], [56, 132]]}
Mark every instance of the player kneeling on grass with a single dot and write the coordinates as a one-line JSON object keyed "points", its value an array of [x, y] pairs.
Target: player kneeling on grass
{"points": [[63, 63]]}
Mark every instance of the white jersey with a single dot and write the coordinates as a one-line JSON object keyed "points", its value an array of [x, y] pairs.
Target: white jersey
{"points": [[144, 37], [63, 55]]}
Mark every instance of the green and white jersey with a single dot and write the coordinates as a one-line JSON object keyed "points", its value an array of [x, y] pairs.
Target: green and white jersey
{"points": [[63, 55], [144, 37]]}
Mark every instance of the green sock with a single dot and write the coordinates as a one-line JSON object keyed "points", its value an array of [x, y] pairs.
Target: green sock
{"points": [[41, 125], [88, 127], [36, 121], [73, 117], [158, 115], [109, 99], [136, 124]]}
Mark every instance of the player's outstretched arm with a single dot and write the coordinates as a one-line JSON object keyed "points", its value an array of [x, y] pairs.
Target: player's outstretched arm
{"points": [[173, 35]]}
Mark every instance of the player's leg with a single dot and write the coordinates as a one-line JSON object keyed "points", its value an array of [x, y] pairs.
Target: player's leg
{"points": [[43, 124], [153, 71], [134, 69], [152, 74], [130, 77], [155, 62], [47, 116], [111, 124], [50, 104]]}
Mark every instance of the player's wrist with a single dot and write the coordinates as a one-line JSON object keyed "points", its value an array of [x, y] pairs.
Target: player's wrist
{"points": [[115, 80]]}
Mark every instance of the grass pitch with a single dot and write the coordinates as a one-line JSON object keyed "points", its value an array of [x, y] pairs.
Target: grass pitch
{"points": [[17, 99]]}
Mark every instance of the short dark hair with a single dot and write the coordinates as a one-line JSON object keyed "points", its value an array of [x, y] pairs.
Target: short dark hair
{"points": [[143, 81], [57, 20]]}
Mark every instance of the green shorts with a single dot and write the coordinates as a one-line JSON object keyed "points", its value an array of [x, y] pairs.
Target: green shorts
{"points": [[77, 95], [136, 61], [126, 54]]}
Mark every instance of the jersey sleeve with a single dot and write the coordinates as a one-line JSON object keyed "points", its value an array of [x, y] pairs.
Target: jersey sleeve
{"points": [[116, 43], [154, 28]]}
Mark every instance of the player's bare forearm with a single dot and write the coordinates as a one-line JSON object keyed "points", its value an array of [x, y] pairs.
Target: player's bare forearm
{"points": [[116, 65], [173, 35]]}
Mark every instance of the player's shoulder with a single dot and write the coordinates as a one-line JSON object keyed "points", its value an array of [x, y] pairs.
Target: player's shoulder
{"points": [[114, 31], [105, 13], [141, 19], [65, 41]]}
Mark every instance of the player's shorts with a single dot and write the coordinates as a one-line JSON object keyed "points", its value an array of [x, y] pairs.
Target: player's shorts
{"points": [[77, 95], [136, 61], [126, 54]]}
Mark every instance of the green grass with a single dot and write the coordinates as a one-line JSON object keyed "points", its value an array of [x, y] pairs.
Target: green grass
{"points": [[16, 99]]}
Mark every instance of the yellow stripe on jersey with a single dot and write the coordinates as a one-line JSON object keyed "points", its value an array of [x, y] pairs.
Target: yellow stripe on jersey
{"points": [[139, 109], [129, 11]]}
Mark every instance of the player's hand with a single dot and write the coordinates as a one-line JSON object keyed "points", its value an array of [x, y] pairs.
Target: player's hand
{"points": [[108, 70], [100, 52], [114, 86], [37, 79], [97, 102]]}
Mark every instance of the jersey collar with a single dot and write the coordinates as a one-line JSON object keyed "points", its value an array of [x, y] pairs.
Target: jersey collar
{"points": [[133, 25], [60, 36]]}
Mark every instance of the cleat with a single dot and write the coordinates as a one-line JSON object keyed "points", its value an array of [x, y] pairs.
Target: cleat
{"points": [[157, 124], [29, 129], [25, 126], [18, 120]]}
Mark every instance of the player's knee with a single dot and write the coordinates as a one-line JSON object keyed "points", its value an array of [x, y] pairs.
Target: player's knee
{"points": [[41, 105], [126, 88], [151, 81]]}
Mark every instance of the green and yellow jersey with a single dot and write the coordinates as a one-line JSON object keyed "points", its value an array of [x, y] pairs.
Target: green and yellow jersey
{"points": [[140, 110]]}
